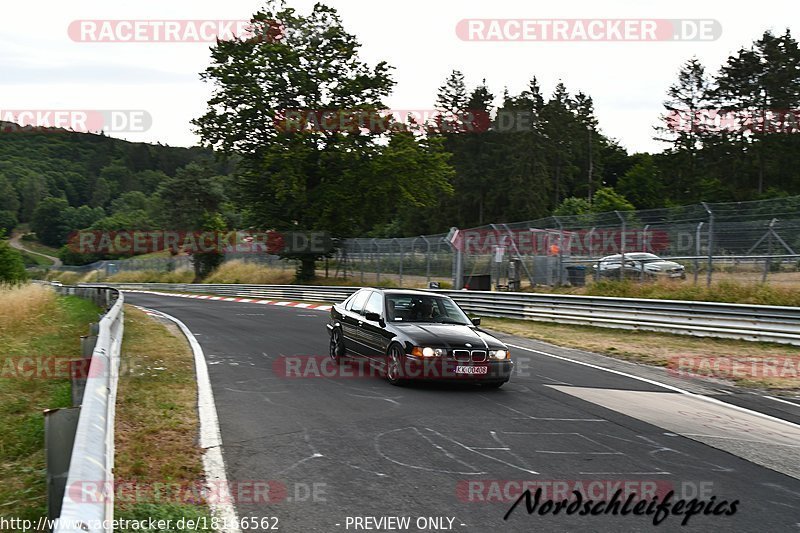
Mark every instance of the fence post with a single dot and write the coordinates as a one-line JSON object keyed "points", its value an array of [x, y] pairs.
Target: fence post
{"points": [[560, 251], [400, 249], [458, 261], [697, 251], [643, 249], [360, 258], [710, 243], [427, 259], [621, 246], [378, 257], [768, 262]]}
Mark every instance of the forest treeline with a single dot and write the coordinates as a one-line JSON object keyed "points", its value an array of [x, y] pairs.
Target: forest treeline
{"points": [[557, 161]]}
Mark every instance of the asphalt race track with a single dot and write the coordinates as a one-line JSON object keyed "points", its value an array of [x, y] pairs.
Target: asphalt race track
{"points": [[335, 449]]}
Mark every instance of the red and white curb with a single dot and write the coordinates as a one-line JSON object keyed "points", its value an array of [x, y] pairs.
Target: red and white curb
{"points": [[302, 305]]}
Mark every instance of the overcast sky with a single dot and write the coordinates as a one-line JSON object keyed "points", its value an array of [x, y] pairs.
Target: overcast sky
{"points": [[42, 68]]}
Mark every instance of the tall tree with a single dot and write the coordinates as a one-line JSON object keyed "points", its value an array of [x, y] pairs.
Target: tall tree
{"points": [[686, 100], [9, 200], [12, 266], [312, 179]]}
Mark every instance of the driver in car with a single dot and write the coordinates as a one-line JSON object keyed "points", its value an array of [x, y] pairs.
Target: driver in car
{"points": [[425, 310]]}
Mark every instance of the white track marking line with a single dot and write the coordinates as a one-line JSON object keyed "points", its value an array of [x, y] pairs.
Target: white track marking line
{"points": [[782, 400], [659, 384], [210, 435]]}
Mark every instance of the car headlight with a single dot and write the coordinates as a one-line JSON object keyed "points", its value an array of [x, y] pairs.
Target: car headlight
{"points": [[499, 354], [427, 351]]}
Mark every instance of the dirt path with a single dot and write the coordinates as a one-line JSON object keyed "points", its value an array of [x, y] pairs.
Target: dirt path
{"points": [[16, 243]]}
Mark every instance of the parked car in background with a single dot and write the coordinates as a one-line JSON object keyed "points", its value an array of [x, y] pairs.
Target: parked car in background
{"points": [[638, 264]]}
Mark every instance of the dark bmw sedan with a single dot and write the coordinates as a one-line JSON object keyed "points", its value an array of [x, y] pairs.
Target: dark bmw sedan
{"points": [[416, 335]]}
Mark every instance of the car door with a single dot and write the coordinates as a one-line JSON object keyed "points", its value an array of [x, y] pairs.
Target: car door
{"points": [[350, 319], [372, 333]]}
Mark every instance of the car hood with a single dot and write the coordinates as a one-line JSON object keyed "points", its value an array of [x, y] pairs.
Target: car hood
{"points": [[448, 335]]}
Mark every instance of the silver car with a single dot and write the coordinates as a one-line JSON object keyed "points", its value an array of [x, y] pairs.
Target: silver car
{"points": [[638, 264]]}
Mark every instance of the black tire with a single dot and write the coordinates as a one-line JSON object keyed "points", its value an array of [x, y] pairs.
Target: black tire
{"points": [[394, 365], [336, 349], [494, 384]]}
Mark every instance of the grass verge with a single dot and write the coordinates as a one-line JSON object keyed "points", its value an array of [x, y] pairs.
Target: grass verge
{"points": [[157, 424], [712, 357], [34, 322], [36, 246], [722, 291]]}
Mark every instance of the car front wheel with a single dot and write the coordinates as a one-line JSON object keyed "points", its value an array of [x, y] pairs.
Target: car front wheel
{"points": [[336, 350], [394, 365]]}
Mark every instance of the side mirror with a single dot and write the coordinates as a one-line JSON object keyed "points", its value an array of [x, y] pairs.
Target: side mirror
{"points": [[375, 317], [476, 321]]}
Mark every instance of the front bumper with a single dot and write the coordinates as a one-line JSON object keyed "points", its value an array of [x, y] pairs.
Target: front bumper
{"points": [[446, 369]]}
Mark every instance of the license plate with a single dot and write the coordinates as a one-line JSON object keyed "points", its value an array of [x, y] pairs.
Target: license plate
{"points": [[472, 369]]}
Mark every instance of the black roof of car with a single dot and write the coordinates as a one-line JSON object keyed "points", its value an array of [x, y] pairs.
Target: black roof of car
{"points": [[403, 291]]}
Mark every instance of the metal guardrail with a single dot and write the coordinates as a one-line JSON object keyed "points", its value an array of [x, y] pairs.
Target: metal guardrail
{"points": [[88, 503], [763, 323]]}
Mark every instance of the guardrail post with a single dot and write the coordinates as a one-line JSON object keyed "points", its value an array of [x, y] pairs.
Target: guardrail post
{"points": [[79, 369], [710, 243], [59, 436]]}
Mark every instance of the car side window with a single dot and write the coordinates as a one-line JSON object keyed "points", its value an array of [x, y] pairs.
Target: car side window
{"points": [[374, 304], [359, 300]]}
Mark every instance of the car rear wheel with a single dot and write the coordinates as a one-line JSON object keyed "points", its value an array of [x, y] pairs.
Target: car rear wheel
{"points": [[494, 384], [394, 365], [336, 350]]}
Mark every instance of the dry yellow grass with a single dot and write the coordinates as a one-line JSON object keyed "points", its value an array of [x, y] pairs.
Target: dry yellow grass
{"points": [[152, 276], [34, 323], [65, 277], [241, 272], [720, 291], [21, 305]]}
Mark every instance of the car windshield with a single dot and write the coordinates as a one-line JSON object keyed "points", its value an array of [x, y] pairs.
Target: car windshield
{"points": [[423, 308]]}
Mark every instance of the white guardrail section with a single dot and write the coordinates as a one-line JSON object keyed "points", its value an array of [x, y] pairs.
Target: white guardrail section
{"points": [[706, 319], [88, 504]]}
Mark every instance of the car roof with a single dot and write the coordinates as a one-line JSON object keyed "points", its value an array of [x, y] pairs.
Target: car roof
{"points": [[403, 291]]}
